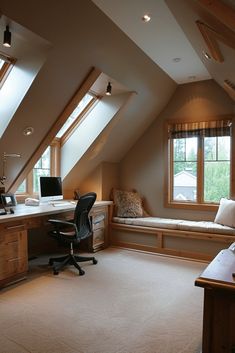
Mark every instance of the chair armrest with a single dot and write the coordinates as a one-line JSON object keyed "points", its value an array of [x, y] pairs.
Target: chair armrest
{"points": [[58, 223]]}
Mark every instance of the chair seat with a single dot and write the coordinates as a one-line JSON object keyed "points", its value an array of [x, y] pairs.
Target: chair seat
{"points": [[72, 232]]}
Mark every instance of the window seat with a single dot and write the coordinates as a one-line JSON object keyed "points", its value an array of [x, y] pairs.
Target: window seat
{"points": [[200, 240]]}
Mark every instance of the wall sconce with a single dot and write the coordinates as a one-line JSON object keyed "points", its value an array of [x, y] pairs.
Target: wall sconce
{"points": [[7, 37], [4, 160], [28, 131], [109, 90]]}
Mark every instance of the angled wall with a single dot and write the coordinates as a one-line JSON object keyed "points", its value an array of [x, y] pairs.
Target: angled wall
{"points": [[143, 166]]}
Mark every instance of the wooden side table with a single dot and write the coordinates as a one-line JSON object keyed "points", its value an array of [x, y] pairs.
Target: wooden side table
{"points": [[219, 303]]}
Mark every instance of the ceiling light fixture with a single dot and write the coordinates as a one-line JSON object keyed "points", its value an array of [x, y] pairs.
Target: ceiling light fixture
{"points": [[192, 77], [7, 37], [146, 18], [176, 60], [28, 131], [108, 89]]}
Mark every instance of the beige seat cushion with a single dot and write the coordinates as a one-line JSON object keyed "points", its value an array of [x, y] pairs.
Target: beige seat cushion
{"points": [[179, 224]]}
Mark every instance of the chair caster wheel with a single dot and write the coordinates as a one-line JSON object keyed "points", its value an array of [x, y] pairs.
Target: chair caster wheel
{"points": [[95, 261], [56, 273], [81, 273]]}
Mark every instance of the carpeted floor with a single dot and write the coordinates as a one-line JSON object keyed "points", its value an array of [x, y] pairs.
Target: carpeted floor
{"points": [[129, 302]]}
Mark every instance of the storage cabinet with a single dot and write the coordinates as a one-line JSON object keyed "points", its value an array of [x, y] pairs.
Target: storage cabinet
{"points": [[13, 255], [100, 228]]}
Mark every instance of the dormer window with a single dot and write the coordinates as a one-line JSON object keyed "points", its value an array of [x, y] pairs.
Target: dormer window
{"points": [[77, 115], [6, 63]]}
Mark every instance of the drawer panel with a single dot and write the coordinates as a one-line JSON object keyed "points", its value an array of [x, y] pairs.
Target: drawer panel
{"points": [[12, 226], [98, 223], [98, 237], [12, 267]]}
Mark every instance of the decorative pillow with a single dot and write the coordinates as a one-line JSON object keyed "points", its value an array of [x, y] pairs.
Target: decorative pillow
{"points": [[127, 203], [226, 213]]}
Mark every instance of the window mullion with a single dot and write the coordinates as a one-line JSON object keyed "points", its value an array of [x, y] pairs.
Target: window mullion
{"points": [[29, 181], [200, 170]]}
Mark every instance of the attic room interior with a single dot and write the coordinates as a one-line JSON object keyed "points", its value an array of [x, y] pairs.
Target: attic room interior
{"points": [[128, 106]]}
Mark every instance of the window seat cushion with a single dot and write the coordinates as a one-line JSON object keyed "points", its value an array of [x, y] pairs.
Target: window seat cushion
{"points": [[179, 224]]}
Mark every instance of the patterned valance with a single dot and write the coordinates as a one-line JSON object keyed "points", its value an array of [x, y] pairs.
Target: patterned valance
{"points": [[202, 128]]}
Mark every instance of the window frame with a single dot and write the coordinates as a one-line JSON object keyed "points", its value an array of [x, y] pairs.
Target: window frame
{"points": [[169, 170], [6, 68], [79, 119], [54, 170]]}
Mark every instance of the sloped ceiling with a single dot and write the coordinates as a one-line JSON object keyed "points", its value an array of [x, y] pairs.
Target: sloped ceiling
{"points": [[81, 37], [172, 38], [187, 14], [162, 38]]}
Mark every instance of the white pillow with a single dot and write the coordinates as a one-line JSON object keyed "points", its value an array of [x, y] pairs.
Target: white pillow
{"points": [[226, 213]]}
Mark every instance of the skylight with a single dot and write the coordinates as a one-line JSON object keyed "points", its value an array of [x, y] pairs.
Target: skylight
{"points": [[6, 64], [86, 102]]}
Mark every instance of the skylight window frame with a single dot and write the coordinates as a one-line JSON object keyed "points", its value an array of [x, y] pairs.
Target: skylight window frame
{"points": [[6, 68], [81, 116]]}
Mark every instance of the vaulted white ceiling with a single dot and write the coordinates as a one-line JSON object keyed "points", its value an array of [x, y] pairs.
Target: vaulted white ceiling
{"points": [[162, 38], [172, 38]]}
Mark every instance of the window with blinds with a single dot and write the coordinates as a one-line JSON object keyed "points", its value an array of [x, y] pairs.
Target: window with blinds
{"points": [[199, 165]]}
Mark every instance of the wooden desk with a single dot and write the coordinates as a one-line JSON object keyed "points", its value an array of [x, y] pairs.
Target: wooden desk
{"points": [[14, 233], [219, 304]]}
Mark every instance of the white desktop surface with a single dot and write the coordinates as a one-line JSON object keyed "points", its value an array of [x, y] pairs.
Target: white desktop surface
{"points": [[22, 211]]}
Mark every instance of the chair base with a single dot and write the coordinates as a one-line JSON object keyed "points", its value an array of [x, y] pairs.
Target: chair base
{"points": [[59, 263]]}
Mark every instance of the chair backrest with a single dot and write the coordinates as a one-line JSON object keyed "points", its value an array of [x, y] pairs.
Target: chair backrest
{"points": [[81, 214]]}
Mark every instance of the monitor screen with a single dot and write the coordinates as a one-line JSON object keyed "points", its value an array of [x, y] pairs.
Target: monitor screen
{"points": [[50, 188]]}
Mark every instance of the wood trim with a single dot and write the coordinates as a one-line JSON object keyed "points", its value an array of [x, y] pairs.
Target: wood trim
{"points": [[164, 232], [191, 206], [83, 89], [212, 37], [210, 41], [223, 12], [174, 232], [229, 88]]}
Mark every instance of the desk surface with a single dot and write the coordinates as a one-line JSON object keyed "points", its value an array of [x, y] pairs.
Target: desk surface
{"points": [[22, 211], [218, 273]]}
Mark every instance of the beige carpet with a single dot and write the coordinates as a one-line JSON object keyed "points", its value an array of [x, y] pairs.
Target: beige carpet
{"points": [[129, 302]]}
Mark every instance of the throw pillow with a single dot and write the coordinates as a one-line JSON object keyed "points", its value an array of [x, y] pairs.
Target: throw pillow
{"points": [[127, 203], [226, 213]]}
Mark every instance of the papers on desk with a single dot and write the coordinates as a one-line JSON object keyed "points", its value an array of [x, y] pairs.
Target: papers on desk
{"points": [[2, 211]]}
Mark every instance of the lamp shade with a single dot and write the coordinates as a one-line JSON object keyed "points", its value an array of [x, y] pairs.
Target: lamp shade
{"points": [[7, 37]]}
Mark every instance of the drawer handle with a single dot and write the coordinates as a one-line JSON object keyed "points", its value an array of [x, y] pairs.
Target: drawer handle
{"points": [[15, 227], [13, 259], [12, 242]]}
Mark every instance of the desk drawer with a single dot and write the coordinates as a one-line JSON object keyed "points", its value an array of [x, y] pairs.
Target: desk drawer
{"points": [[98, 237], [13, 226], [9, 268], [13, 254]]}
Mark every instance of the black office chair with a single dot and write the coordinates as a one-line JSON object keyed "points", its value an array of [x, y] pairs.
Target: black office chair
{"points": [[72, 232]]}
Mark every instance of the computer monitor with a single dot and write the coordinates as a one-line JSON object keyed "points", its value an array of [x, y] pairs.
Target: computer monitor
{"points": [[50, 189]]}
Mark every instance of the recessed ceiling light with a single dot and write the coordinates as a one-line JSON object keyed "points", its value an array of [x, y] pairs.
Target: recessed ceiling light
{"points": [[146, 18], [28, 131], [176, 60], [192, 77]]}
